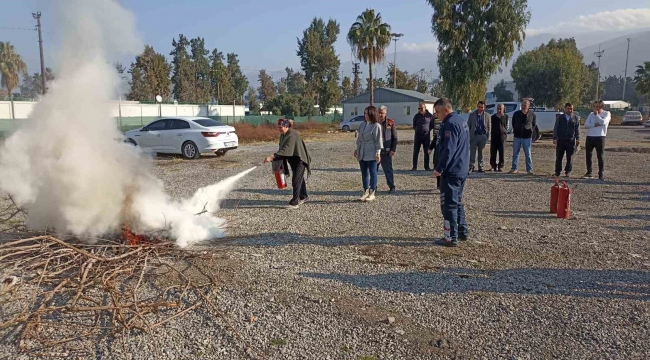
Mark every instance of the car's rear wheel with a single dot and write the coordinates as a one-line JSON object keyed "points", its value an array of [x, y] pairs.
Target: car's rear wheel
{"points": [[131, 142], [346, 128], [190, 151]]}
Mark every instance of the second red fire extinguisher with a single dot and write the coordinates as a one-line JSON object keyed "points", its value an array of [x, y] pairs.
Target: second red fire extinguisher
{"points": [[554, 194], [564, 202], [278, 171]]}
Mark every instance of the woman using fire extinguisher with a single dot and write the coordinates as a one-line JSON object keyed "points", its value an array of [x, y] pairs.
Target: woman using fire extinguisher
{"points": [[368, 152], [293, 152]]}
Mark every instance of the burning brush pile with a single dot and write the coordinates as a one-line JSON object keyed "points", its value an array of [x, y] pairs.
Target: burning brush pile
{"points": [[80, 292], [60, 296]]}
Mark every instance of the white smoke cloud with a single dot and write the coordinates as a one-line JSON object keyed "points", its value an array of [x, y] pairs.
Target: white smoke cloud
{"points": [[617, 20], [69, 167]]}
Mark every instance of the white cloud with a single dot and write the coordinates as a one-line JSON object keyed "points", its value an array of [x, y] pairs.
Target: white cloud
{"points": [[617, 20], [420, 47]]}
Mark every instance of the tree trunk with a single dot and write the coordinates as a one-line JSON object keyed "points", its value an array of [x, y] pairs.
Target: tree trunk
{"points": [[372, 88]]}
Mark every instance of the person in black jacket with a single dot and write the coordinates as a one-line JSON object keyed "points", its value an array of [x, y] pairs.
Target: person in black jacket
{"points": [[566, 136], [433, 148], [523, 123], [389, 134], [498, 137], [422, 124]]}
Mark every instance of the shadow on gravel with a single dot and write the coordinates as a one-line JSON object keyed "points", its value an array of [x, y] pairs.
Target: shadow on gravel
{"points": [[344, 193], [616, 284], [523, 214], [282, 239]]}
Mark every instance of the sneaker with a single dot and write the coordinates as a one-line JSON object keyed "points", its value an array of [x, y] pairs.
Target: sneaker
{"points": [[471, 168], [463, 238], [445, 242], [481, 170], [414, 169], [291, 207], [391, 191], [302, 201], [601, 178], [513, 171], [530, 172], [499, 170], [588, 176], [365, 195], [371, 197]]}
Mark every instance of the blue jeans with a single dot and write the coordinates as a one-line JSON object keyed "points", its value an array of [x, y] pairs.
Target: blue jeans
{"points": [[369, 168], [453, 210], [517, 144], [387, 165]]}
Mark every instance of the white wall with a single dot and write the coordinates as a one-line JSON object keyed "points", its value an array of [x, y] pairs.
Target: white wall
{"points": [[131, 109], [395, 111]]}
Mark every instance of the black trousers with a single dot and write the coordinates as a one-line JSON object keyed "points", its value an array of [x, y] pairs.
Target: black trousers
{"points": [[497, 146], [298, 180], [421, 141], [598, 143], [563, 146]]}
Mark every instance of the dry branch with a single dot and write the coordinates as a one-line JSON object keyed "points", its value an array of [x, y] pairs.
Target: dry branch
{"points": [[73, 281]]}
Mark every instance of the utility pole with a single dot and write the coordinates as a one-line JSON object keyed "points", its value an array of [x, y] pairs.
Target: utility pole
{"points": [[396, 37], [37, 16], [356, 72], [598, 54], [625, 76]]}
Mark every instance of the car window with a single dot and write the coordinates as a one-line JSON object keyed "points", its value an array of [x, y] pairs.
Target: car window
{"points": [[179, 124], [510, 108], [208, 122], [157, 125]]}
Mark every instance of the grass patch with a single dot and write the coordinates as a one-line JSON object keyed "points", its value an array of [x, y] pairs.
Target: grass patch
{"points": [[278, 342], [363, 357]]}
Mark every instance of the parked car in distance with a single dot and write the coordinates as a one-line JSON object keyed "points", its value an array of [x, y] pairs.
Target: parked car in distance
{"points": [[186, 135], [632, 117], [352, 124], [545, 118], [647, 124]]}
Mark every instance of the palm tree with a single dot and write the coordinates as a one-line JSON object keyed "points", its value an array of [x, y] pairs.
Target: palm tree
{"points": [[368, 37], [11, 65], [642, 78]]}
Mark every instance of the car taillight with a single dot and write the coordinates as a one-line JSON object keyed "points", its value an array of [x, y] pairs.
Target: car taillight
{"points": [[210, 134]]}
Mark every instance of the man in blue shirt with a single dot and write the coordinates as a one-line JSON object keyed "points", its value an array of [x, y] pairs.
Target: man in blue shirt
{"points": [[452, 167]]}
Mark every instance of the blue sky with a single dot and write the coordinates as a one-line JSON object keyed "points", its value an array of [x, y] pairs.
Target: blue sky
{"points": [[264, 32]]}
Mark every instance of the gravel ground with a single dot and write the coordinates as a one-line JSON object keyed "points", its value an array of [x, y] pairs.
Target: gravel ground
{"points": [[340, 279]]}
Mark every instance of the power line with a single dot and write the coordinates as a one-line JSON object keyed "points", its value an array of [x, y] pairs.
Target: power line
{"points": [[12, 28]]}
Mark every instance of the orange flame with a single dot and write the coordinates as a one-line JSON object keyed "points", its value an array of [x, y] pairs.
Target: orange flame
{"points": [[131, 238]]}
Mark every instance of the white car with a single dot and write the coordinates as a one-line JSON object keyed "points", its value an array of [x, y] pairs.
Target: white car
{"points": [[632, 117], [186, 135]]}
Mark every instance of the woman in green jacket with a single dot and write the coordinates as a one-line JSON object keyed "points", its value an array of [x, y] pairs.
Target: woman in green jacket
{"points": [[294, 152]]}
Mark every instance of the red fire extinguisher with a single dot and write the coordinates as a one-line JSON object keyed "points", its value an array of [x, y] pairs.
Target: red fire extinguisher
{"points": [[278, 171], [554, 195], [564, 202]]}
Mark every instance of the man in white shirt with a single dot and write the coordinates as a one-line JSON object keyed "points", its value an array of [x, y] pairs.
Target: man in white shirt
{"points": [[597, 123]]}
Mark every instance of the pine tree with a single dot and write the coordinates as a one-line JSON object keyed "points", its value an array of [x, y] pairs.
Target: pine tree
{"points": [[221, 85], [237, 78], [200, 70], [267, 86], [253, 102], [182, 77]]}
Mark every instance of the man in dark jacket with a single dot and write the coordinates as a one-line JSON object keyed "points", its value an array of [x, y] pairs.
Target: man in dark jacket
{"points": [[479, 129], [523, 123], [452, 167], [422, 124], [498, 137], [566, 136], [389, 133], [293, 151]]}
